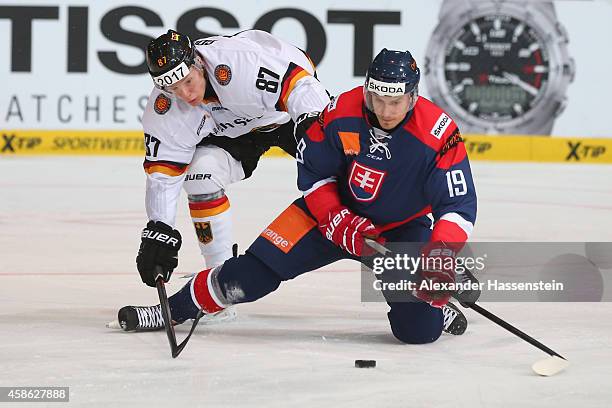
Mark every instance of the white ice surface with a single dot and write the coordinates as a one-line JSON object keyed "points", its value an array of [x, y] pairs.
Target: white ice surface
{"points": [[69, 231]]}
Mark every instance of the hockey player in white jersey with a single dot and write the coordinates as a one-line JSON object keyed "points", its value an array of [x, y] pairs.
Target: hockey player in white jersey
{"points": [[218, 104]]}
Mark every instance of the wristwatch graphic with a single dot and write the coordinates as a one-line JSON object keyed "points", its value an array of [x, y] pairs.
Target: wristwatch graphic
{"points": [[499, 67]]}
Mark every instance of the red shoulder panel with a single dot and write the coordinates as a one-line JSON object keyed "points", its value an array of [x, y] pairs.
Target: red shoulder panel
{"points": [[430, 124], [436, 129], [452, 151], [346, 105]]}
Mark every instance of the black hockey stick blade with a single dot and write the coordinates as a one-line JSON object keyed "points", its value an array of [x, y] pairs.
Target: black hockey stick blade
{"points": [[175, 348], [482, 311]]}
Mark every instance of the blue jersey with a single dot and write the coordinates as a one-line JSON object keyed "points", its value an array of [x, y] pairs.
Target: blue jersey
{"points": [[419, 168]]}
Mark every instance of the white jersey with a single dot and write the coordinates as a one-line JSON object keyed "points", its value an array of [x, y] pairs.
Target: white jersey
{"points": [[259, 81]]}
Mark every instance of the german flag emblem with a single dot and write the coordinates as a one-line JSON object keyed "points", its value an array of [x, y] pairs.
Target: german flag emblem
{"points": [[162, 104], [203, 231], [223, 74]]}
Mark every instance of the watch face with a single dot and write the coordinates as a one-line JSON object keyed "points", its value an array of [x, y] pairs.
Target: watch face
{"points": [[496, 67]]}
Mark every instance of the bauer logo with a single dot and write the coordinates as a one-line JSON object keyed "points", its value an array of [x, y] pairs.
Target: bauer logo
{"points": [[198, 177], [441, 125], [157, 236]]}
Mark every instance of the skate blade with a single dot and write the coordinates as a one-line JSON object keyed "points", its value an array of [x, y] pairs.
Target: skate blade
{"points": [[113, 324], [549, 366], [226, 315]]}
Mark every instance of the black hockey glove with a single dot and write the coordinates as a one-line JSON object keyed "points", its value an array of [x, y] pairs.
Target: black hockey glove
{"points": [[158, 253], [304, 123]]}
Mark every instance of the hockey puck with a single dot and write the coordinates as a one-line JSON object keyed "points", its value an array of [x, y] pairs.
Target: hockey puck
{"points": [[365, 363]]}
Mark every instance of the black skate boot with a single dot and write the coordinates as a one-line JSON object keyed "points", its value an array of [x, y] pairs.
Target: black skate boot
{"points": [[140, 318], [454, 320]]}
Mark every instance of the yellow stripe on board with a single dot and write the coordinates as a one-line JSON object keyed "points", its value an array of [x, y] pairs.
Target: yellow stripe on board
{"points": [[72, 142], [539, 149], [479, 147]]}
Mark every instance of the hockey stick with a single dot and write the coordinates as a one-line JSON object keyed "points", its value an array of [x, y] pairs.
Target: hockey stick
{"points": [[517, 332], [547, 367], [165, 309]]}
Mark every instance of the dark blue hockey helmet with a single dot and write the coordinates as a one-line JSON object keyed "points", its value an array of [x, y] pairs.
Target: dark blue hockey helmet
{"points": [[392, 73], [394, 67]]}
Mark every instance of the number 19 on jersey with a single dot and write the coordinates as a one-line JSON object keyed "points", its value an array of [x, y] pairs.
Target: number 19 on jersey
{"points": [[456, 183]]}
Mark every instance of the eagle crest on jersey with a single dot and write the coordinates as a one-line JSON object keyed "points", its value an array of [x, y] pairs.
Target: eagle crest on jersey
{"points": [[204, 232], [223, 74], [162, 104]]}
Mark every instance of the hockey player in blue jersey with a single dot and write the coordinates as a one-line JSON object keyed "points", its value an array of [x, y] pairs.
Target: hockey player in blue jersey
{"points": [[380, 162]]}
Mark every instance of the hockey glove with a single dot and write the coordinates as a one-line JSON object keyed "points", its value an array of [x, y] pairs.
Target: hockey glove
{"points": [[348, 231], [304, 123], [158, 253], [437, 269]]}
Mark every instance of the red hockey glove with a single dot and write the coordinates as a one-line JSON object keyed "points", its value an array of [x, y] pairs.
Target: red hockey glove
{"points": [[438, 268], [348, 231]]}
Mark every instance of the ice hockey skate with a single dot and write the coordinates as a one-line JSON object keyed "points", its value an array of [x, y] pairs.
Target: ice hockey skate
{"points": [[149, 318], [454, 320]]}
